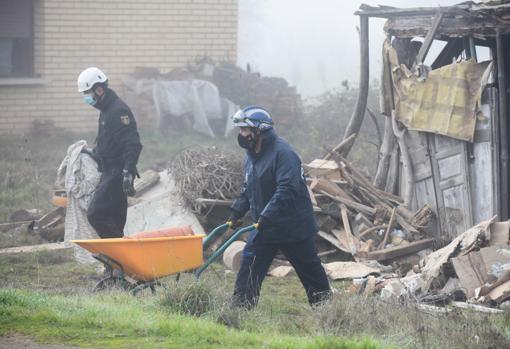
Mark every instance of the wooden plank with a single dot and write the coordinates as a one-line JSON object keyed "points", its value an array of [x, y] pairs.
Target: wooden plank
{"points": [[494, 292], [12, 225], [323, 184], [406, 27], [333, 241], [477, 308], [37, 248], [476, 268], [312, 196], [338, 149], [323, 168], [326, 253], [388, 229], [50, 217], [389, 11], [352, 204], [214, 202], [370, 230], [467, 269], [399, 251], [424, 49], [340, 235], [350, 238]]}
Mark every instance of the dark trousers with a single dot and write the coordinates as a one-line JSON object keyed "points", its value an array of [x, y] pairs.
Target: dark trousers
{"points": [[257, 258], [108, 210]]}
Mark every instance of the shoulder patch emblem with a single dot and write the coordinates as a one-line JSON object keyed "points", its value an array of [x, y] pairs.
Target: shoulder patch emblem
{"points": [[125, 119]]}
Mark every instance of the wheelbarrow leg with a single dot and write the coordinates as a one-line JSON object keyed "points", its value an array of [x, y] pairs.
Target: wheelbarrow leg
{"points": [[111, 280], [142, 285]]}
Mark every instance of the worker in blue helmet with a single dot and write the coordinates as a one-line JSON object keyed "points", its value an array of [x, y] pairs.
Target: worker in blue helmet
{"points": [[277, 197]]}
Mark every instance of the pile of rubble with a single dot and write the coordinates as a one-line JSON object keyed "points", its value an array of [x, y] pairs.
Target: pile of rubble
{"points": [[475, 267], [370, 237], [361, 220]]}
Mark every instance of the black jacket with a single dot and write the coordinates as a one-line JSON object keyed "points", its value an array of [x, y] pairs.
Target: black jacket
{"points": [[275, 188], [118, 142]]}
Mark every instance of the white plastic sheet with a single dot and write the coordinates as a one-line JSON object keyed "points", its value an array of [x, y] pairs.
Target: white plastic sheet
{"points": [[198, 102], [79, 175]]}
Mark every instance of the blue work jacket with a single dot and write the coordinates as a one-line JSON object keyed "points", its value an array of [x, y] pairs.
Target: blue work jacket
{"points": [[275, 188]]}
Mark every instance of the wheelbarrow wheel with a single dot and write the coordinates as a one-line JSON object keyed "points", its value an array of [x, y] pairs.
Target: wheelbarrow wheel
{"points": [[113, 282]]}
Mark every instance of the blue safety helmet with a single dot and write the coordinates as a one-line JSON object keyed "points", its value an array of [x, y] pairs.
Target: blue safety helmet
{"points": [[253, 116]]}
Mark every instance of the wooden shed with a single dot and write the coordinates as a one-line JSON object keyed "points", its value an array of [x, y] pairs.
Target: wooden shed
{"points": [[446, 138]]}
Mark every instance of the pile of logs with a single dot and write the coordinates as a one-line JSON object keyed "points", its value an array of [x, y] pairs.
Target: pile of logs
{"points": [[359, 219]]}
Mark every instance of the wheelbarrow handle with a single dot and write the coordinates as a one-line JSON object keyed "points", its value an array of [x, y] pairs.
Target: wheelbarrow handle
{"points": [[219, 229], [223, 247]]}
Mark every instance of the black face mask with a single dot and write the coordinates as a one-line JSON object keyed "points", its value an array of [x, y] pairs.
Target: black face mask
{"points": [[246, 142]]}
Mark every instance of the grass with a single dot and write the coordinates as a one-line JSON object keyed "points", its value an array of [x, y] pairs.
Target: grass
{"points": [[47, 296], [119, 320]]}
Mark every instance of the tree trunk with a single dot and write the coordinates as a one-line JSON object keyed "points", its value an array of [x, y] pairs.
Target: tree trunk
{"points": [[356, 120]]}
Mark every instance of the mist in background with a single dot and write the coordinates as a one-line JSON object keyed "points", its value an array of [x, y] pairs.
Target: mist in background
{"points": [[314, 45]]}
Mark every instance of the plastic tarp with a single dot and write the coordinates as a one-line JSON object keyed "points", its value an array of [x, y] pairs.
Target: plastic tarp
{"points": [[79, 176], [198, 102], [446, 102]]}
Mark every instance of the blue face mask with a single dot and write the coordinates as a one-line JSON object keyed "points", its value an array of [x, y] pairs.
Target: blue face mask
{"points": [[89, 99]]}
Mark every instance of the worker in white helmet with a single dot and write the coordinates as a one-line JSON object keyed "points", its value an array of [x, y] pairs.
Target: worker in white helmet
{"points": [[117, 150]]}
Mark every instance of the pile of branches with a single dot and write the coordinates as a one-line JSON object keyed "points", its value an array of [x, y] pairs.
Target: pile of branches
{"points": [[207, 173]]}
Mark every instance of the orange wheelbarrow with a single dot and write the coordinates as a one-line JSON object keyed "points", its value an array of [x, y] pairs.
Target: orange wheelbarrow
{"points": [[147, 257]]}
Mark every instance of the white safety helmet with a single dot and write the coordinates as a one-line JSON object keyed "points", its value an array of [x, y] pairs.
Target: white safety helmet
{"points": [[89, 77]]}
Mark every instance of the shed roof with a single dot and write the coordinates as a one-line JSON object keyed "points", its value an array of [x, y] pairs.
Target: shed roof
{"points": [[463, 19]]}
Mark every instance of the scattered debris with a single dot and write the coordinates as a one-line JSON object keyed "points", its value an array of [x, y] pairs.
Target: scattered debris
{"points": [[282, 271], [26, 215], [349, 270]]}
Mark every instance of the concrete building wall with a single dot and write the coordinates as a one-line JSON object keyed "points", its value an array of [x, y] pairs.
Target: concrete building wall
{"points": [[116, 36]]}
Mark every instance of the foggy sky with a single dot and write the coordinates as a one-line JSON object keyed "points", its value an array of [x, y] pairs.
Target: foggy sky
{"points": [[312, 44]]}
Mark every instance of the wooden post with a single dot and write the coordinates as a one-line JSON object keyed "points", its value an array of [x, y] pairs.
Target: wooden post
{"points": [[384, 155], [406, 160], [356, 120], [383, 165], [503, 128]]}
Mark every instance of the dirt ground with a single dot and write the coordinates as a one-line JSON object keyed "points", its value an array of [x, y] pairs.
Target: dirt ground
{"points": [[18, 341]]}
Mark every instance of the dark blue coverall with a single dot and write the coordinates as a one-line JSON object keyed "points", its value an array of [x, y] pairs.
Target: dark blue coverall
{"points": [[117, 148], [275, 188]]}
